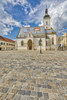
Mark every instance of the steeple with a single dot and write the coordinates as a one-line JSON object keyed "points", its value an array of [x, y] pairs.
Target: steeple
{"points": [[46, 19], [46, 11]]}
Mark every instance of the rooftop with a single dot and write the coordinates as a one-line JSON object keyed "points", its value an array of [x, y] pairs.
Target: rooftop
{"points": [[6, 39], [35, 31]]}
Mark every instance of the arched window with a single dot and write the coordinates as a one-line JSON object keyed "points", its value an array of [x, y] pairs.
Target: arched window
{"points": [[22, 43], [52, 41], [46, 23]]}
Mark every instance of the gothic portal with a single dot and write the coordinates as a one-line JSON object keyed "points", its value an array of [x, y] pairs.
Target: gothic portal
{"points": [[29, 44]]}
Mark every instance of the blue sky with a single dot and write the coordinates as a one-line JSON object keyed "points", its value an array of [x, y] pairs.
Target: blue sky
{"points": [[21, 13]]}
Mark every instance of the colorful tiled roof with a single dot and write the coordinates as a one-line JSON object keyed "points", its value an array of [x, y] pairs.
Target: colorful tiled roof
{"points": [[34, 31]]}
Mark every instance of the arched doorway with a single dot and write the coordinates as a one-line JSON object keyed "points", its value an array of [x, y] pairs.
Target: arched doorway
{"points": [[30, 44]]}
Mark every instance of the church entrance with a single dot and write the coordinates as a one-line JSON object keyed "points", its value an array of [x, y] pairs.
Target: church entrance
{"points": [[30, 44]]}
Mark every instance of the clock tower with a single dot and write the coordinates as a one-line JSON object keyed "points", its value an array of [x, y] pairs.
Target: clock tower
{"points": [[46, 20]]}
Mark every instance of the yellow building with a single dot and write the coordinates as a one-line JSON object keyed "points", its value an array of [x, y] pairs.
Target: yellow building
{"points": [[63, 41], [6, 44]]}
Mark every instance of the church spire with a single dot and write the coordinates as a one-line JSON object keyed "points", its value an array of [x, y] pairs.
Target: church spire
{"points": [[46, 11], [46, 19]]}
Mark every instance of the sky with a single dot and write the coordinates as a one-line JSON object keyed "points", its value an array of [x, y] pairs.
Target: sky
{"points": [[21, 13]]}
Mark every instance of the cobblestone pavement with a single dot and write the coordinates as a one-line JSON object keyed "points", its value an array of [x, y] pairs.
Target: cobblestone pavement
{"points": [[28, 75]]}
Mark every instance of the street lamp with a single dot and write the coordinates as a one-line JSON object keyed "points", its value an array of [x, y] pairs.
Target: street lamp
{"points": [[46, 37], [40, 44]]}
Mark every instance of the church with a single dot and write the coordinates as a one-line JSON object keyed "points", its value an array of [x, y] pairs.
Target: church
{"points": [[32, 38]]}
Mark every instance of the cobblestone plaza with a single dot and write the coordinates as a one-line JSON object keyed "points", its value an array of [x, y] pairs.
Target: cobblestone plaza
{"points": [[29, 75]]}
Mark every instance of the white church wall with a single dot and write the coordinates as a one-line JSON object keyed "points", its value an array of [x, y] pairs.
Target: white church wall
{"points": [[18, 44], [36, 43], [53, 46], [46, 26]]}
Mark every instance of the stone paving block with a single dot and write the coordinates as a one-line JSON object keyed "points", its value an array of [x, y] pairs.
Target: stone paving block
{"points": [[4, 90], [46, 96], [21, 92], [39, 94], [1, 94], [23, 80], [34, 93], [17, 97], [27, 92], [15, 91], [33, 77], [4, 95], [23, 97], [10, 95], [42, 98]]}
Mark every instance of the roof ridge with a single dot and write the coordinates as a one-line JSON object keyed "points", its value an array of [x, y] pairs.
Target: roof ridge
{"points": [[2, 38], [6, 39]]}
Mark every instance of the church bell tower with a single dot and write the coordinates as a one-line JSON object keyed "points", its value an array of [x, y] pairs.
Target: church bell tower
{"points": [[46, 19]]}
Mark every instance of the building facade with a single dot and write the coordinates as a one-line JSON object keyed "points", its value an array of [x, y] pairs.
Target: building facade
{"points": [[63, 41], [6, 44], [28, 38]]}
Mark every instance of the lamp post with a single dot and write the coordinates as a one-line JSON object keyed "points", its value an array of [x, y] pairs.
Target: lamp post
{"points": [[46, 37], [40, 43]]}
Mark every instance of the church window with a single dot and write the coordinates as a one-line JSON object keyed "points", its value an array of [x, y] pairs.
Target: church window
{"points": [[46, 23], [52, 41], [22, 43]]}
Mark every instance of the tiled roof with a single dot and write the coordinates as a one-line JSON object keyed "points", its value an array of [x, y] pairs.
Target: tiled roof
{"points": [[24, 31], [6, 39]]}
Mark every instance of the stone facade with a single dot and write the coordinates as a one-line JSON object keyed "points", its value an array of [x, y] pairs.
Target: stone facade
{"points": [[62, 40], [6, 44], [28, 37]]}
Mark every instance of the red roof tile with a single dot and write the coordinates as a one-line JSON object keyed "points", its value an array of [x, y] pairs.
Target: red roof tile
{"points": [[6, 39]]}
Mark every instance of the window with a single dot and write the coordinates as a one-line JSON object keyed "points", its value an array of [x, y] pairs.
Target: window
{"points": [[46, 23], [22, 43], [4, 43], [1, 43], [52, 41]]}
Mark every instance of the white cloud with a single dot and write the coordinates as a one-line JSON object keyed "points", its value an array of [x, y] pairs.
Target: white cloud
{"points": [[6, 20], [32, 11], [57, 11], [26, 25], [59, 16], [41, 24], [15, 2]]}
